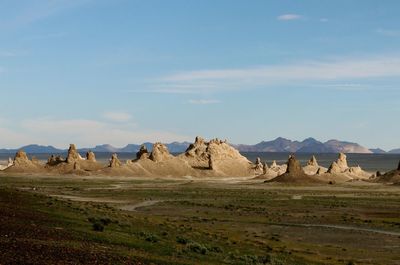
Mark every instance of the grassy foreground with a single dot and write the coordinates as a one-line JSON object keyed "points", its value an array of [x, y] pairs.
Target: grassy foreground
{"points": [[75, 220]]}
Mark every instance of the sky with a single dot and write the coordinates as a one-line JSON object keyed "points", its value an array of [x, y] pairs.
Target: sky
{"points": [[126, 71]]}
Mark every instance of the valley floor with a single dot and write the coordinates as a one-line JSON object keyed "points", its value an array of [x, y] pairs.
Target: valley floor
{"points": [[95, 220]]}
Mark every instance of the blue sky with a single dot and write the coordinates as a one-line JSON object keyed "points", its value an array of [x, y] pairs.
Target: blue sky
{"points": [[126, 71]]}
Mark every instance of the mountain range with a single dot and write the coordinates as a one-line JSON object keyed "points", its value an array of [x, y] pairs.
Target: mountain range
{"points": [[309, 145]]}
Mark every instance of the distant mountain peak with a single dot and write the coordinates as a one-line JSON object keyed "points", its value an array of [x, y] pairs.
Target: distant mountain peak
{"points": [[308, 145], [280, 144]]}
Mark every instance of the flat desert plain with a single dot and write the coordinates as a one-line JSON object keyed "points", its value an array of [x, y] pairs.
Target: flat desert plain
{"points": [[114, 220]]}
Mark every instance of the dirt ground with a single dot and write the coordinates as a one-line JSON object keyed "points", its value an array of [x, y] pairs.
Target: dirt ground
{"points": [[106, 220]]}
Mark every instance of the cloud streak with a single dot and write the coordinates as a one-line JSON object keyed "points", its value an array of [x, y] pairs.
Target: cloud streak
{"points": [[285, 74], [204, 101], [83, 132], [287, 17], [39, 10]]}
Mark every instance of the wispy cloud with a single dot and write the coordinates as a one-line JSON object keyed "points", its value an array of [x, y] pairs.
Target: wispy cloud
{"points": [[389, 32], [117, 116], [286, 17], [344, 86], [338, 70], [39, 10], [83, 132], [204, 101]]}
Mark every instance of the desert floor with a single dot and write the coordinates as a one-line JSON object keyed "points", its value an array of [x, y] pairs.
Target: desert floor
{"points": [[108, 220]]}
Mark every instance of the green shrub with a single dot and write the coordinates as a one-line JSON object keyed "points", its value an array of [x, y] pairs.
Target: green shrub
{"points": [[197, 248], [182, 240], [149, 237], [152, 238], [97, 226]]}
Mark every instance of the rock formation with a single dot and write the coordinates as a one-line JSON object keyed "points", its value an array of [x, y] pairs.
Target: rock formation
{"points": [[355, 170], [334, 168], [392, 176], [342, 161], [160, 153], [294, 173], [210, 163], [259, 167], [312, 162], [340, 165], [90, 156], [73, 155], [273, 164], [198, 149], [22, 163], [21, 159], [225, 160], [10, 162], [294, 167], [114, 161], [313, 168], [339, 171], [265, 167], [143, 153], [54, 160]]}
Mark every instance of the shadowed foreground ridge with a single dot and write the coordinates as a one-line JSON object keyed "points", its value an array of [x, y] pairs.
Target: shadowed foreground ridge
{"points": [[36, 237]]}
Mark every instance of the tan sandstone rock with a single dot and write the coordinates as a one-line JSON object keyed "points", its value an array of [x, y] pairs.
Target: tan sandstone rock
{"points": [[294, 167], [313, 168], [114, 161], [90, 156], [340, 165], [259, 167], [142, 153], [392, 176], [21, 159], [73, 155], [22, 163], [224, 159], [312, 162], [54, 160], [294, 173], [160, 153]]}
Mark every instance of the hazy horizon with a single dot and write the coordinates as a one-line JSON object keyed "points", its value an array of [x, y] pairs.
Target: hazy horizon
{"points": [[118, 72], [188, 141]]}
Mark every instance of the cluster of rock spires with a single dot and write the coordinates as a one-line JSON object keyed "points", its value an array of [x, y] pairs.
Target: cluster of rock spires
{"points": [[215, 158], [338, 171], [209, 159]]}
